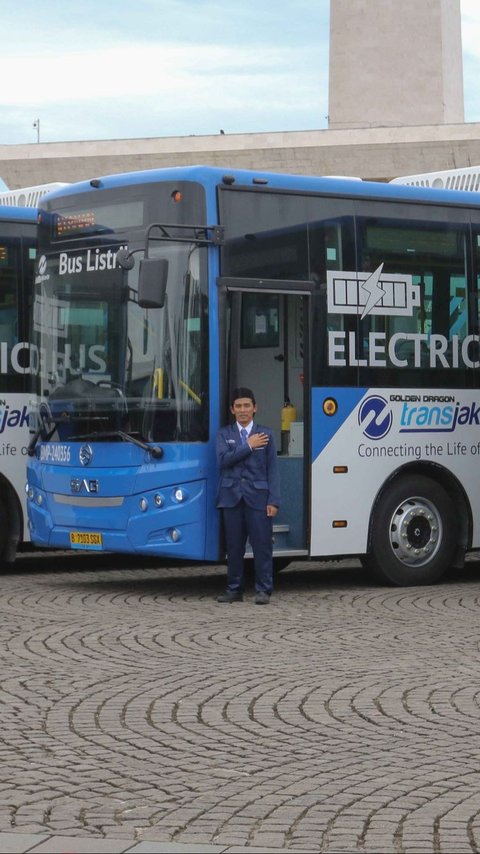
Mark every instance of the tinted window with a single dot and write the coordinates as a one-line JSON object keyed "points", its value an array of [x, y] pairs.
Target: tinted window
{"points": [[17, 256], [391, 300]]}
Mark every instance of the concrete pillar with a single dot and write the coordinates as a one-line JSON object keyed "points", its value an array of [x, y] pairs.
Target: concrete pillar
{"points": [[395, 62]]}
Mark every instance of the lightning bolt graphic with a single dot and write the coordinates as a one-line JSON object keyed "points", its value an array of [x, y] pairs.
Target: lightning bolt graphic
{"points": [[374, 290]]}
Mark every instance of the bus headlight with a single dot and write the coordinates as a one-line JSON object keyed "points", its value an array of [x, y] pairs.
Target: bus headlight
{"points": [[143, 504], [175, 535], [179, 494]]}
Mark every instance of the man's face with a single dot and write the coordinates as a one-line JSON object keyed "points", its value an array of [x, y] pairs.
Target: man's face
{"points": [[243, 408]]}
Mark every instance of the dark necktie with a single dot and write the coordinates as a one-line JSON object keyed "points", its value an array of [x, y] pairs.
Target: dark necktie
{"points": [[243, 434]]}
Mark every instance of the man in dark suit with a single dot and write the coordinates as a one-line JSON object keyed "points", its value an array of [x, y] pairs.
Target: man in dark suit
{"points": [[249, 496]]}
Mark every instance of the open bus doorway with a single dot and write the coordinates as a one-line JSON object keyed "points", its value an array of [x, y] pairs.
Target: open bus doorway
{"points": [[267, 347]]}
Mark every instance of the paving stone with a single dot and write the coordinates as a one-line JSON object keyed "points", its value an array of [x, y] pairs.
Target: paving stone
{"points": [[16, 843], [78, 845], [133, 708]]}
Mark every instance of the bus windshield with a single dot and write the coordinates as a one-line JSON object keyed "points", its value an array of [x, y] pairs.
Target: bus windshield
{"points": [[108, 364]]}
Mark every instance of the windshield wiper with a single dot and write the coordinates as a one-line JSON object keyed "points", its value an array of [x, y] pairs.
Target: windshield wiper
{"points": [[42, 433], [154, 450]]}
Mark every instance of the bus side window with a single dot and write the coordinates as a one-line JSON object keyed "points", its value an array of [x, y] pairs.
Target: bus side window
{"points": [[475, 301], [8, 294], [430, 295]]}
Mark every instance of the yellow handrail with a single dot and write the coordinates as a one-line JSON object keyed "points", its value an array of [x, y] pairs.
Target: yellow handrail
{"points": [[158, 378], [190, 391]]}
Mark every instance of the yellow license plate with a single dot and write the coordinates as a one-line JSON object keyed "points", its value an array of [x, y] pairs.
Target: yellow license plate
{"points": [[85, 540]]}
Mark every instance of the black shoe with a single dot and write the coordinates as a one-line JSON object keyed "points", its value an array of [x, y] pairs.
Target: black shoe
{"points": [[262, 599], [230, 597]]}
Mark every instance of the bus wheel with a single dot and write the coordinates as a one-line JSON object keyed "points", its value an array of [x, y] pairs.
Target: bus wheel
{"points": [[414, 532]]}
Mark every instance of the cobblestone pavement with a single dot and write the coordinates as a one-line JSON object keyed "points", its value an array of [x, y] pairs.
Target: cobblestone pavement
{"points": [[138, 714]]}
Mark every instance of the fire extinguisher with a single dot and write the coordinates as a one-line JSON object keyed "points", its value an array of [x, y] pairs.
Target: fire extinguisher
{"points": [[288, 414]]}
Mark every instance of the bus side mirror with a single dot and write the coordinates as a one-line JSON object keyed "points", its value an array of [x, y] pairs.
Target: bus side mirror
{"points": [[152, 282]]}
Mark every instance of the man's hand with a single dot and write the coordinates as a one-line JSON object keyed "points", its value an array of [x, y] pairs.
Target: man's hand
{"points": [[272, 510], [257, 440]]}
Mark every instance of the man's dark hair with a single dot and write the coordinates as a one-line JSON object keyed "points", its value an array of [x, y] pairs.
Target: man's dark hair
{"points": [[242, 392]]}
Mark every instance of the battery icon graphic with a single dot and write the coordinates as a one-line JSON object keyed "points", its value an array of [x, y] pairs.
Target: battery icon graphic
{"points": [[371, 293]]}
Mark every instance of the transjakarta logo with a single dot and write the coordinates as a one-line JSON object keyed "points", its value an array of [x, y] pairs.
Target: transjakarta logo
{"points": [[417, 414], [13, 418], [375, 416], [42, 275], [378, 293], [433, 416]]}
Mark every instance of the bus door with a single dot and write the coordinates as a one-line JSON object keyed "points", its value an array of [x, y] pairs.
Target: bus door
{"points": [[266, 350]]}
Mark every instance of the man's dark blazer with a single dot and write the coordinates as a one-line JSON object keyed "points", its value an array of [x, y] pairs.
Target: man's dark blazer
{"points": [[251, 475]]}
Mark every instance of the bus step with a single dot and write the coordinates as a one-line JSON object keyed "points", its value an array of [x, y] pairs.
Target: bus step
{"points": [[280, 539]]}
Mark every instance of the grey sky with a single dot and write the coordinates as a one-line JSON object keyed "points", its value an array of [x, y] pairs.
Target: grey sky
{"points": [[146, 68]]}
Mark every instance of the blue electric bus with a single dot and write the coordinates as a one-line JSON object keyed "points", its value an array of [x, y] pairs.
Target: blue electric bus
{"points": [[17, 260], [18, 240], [352, 310]]}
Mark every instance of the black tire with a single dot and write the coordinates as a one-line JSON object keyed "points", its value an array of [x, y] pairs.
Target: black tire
{"points": [[414, 532]]}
